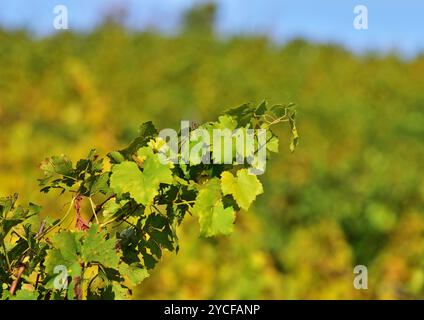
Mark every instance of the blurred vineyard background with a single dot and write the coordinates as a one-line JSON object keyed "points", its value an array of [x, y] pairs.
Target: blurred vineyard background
{"points": [[352, 193]]}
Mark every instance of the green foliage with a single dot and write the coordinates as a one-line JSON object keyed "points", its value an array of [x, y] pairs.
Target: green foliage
{"points": [[244, 188], [142, 201], [352, 194], [213, 217], [200, 19]]}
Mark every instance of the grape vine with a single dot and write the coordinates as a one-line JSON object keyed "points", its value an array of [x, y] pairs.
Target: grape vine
{"points": [[135, 204]]}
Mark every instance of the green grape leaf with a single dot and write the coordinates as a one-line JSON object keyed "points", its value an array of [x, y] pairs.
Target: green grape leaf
{"points": [[57, 165], [242, 114], [142, 186], [66, 247], [91, 164], [294, 140], [119, 291], [226, 122], [261, 109], [96, 249], [6, 204], [244, 188], [72, 248], [99, 183], [271, 142], [197, 139], [155, 172], [58, 173], [146, 132], [214, 219], [11, 216], [115, 157], [24, 294], [134, 272], [127, 177]]}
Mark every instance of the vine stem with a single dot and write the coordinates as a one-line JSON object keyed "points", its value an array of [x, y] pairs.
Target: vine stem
{"points": [[5, 254], [78, 283], [111, 220], [16, 281], [40, 231], [102, 225], [93, 208], [22, 267], [99, 207], [184, 202]]}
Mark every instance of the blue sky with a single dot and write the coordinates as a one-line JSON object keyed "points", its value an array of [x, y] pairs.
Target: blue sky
{"points": [[393, 24]]}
